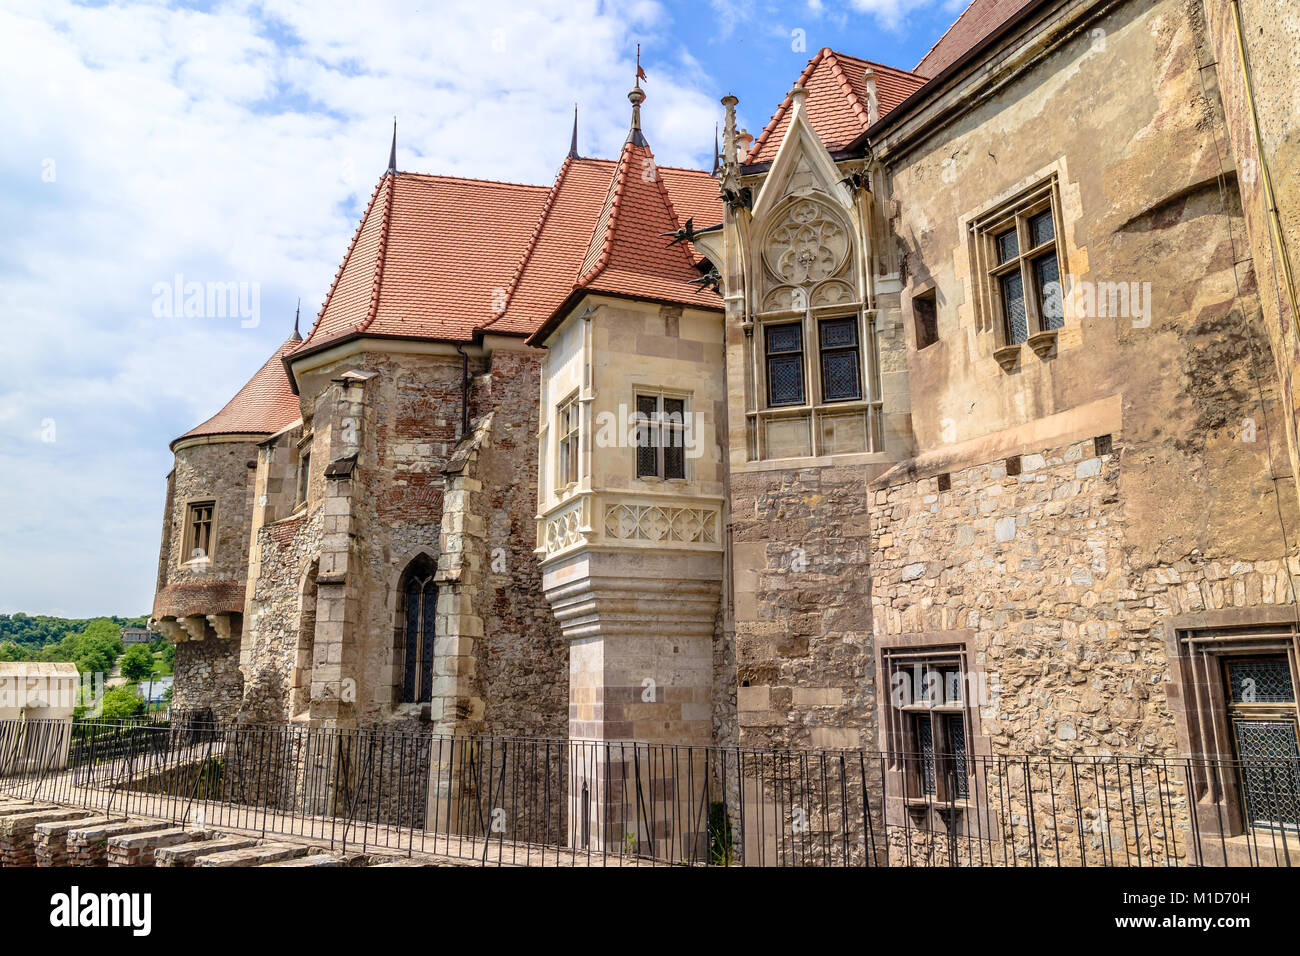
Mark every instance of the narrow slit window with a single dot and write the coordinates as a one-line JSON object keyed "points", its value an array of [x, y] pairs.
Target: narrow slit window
{"points": [[568, 425]]}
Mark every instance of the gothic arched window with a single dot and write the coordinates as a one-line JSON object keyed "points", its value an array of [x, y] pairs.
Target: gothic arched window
{"points": [[416, 600]]}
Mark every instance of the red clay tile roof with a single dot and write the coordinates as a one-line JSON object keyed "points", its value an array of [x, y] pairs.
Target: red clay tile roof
{"points": [[445, 258], [628, 254], [263, 406], [976, 22], [836, 100], [429, 258]]}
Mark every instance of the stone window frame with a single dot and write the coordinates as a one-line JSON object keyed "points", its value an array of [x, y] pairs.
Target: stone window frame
{"points": [[425, 657], [568, 449], [1198, 645], [186, 558], [302, 477], [929, 324], [660, 394], [988, 268], [815, 406], [937, 812]]}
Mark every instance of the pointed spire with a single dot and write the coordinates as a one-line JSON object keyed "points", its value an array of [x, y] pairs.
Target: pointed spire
{"points": [[392, 153], [297, 336], [636, 96], [573, 144], [715, 150]]}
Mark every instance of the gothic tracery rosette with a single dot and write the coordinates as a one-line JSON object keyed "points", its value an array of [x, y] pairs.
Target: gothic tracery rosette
{"points": [[806, 245]]}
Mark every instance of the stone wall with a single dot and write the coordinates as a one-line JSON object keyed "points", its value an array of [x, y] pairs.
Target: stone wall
{"points": [[1267, 55], [1065, 617], [363, 524], [804, 657], [207, 677]]}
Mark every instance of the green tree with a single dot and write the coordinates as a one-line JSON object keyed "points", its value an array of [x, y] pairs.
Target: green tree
{"points": [[121, 702], [137, 662]]}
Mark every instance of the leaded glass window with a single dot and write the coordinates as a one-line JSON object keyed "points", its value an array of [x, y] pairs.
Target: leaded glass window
{"points": [[660, 437], [1013, 307], [784, 344], [841, 378], [1018, 248], [417, 614], [1261, 706], [1047, 281], [1260, 680], [928, 693]]}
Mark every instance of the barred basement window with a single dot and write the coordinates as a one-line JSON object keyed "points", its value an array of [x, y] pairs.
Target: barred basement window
{"points": [[660, 436], [841, 368], [198, 531], [1241, 719], [784, 346], [567, 421], [417, 602], [930, 723]]}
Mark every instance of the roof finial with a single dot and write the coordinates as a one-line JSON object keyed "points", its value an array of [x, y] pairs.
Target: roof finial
{"points": [[392, 153], [297, 336], [636, 96], [715, 150], [573, 144]]}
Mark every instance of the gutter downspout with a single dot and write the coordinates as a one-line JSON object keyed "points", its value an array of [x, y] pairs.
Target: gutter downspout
{"points": [[464, 390]]}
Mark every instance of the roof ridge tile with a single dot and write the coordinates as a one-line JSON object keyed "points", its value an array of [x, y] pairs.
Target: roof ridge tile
{"points": [[532, 240], [346, 259], [380, 254]]}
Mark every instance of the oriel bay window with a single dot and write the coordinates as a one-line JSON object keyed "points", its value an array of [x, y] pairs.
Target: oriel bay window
{"points": [[660, 436]]}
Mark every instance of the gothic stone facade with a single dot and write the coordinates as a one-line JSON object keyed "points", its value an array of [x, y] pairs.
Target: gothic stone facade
{"points": [[997, 383]]}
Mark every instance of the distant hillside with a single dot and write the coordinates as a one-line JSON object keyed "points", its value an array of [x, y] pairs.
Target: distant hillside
{"points": [[37, 631]]}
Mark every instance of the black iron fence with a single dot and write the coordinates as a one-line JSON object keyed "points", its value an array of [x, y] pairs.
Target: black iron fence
{"points": [[558, 802]]}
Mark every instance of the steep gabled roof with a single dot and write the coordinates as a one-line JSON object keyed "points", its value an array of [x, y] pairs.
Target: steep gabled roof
{"points": [[431, 256], [628, 254], [976, 22], [263, 406], [577, 208], [446, 258], [837, 101]]}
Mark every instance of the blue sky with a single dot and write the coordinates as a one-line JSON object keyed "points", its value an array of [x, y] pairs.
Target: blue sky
{"points": [[149, 146]]}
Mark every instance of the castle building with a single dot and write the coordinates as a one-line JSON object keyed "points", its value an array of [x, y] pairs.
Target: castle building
{"points": [[954, 415]]}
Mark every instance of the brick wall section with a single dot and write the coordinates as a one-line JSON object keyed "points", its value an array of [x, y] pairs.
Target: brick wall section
{"points": [[88, 846], [18, 838], [137, 849]]}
